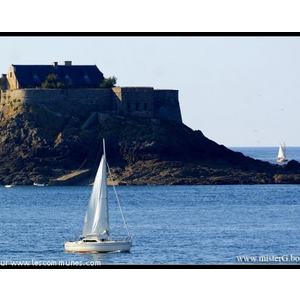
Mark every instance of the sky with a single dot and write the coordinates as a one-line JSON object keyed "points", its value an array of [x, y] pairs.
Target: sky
{"points": [[240, 91]]}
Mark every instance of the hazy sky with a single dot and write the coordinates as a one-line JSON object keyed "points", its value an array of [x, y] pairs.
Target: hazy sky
{"points": [[239, 91]]}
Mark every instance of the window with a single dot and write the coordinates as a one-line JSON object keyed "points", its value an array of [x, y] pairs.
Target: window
{"points": [[36, 79], [87, 79], [137, 106], [145, 106], [68, 79], [10, 74]]}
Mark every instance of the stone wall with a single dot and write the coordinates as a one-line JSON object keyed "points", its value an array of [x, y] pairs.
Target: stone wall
{"points": [[97, 99], [166, 105], [11, 78], [136, 101]]}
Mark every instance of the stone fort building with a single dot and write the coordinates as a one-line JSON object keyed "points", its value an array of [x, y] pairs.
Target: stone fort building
{"points": [[23, 83]]}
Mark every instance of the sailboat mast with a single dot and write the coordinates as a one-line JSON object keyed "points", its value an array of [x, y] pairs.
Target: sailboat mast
{"points": [[104, 153]]}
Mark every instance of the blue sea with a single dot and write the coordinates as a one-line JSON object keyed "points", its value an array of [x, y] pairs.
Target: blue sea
{"points": [[268, 153], [170, 225]]}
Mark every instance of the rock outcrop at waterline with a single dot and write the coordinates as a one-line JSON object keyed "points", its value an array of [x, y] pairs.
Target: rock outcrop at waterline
{"points": [[40, 143]]}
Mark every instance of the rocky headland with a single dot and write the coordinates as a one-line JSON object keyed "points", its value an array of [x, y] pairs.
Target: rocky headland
{"points": [[39, 143]]}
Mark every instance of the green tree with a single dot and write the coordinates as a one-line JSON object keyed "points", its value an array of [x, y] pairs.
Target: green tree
{"points": [[51, 82], [108, 82]]}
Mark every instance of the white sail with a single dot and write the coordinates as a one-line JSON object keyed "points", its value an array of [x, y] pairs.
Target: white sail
{"points": [[96, 218], [281, 152]]}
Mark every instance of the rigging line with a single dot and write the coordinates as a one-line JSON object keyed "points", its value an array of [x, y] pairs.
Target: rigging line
{"points": [[84, 161], [123, 217]]}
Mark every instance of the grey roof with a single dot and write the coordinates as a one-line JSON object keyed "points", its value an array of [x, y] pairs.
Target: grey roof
{"points": [[30, 76]]}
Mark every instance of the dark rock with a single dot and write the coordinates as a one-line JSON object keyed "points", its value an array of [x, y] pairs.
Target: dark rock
{"points": [[293, 165], [38, 144], [287, 178]]}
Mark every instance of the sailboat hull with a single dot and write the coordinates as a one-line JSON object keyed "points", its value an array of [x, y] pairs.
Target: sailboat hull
{"points": [[83, 246], [282, 160]]}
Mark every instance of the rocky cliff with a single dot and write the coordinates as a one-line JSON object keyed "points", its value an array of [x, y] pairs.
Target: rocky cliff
{"points": [[41, 142]]}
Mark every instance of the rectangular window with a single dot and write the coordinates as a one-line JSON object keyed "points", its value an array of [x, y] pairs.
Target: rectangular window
{"points": [[68, 79], [36, 79], [87, 79], [137, 106], [145, 106]]}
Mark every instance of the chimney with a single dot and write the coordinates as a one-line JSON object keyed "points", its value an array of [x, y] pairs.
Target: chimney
{"points": [[54, 64], [68, 63]]}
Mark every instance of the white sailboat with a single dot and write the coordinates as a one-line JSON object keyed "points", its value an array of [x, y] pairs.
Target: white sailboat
{"points": [[96, 232], [281, 154]]}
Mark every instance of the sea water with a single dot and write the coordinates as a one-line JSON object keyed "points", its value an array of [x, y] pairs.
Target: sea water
{"points": [[181, 225], [268, 154]]}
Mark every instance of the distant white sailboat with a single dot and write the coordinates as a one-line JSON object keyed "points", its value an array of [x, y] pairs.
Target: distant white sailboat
{"points": [[281, 154], [39, 184], [96, 232]]}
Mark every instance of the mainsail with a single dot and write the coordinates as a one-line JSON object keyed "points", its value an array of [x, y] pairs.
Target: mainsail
{"points": [[96, 218]]}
